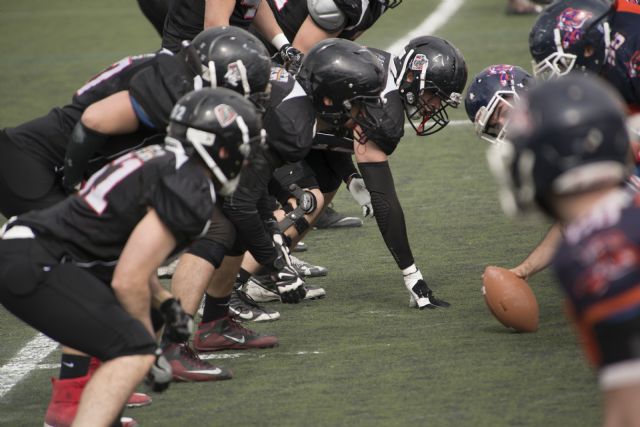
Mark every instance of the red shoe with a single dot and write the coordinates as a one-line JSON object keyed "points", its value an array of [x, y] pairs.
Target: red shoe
{"points": [[187, 366], [227, 334], [136, 400], [65, 398]]}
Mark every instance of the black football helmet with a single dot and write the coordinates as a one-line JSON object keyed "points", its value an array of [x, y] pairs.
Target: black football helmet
{"points": [[567, 136], [430, 65], [497, 87], [570, 34], [234, 58], [337, 75], [221, 126]]}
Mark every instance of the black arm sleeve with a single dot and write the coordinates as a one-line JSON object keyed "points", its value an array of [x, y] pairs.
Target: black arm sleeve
{"points": [[387, 209], [83, 144], [241, 207]]}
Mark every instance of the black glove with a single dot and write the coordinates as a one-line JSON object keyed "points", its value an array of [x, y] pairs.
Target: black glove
{"points": [[178, 324], [289, 284], [160, 374], [291, 58]]}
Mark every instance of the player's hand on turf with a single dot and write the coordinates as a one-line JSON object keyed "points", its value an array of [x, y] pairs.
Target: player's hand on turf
{"points": [[178, 324], [359, 192], [160, 374], [291, 58], [288, 282]]}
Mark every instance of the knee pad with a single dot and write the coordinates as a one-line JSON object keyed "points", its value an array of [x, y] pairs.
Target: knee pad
{"points": [[208, 250]]}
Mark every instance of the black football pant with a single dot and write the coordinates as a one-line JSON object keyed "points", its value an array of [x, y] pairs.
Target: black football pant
{"points": [[67, 303]]}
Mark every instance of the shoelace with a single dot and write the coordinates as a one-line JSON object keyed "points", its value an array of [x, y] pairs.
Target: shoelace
{"points": [[244, 297], [236, 327], [191, 354]]}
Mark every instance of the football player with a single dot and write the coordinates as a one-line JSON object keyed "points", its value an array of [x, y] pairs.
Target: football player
{"points": [[361, 96], [573, 168], [131, 215], [491, 97], [592, 36]]}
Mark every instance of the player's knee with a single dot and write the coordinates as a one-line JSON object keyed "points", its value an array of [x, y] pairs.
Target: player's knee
{"points": [[209, 250], [317, 193]]}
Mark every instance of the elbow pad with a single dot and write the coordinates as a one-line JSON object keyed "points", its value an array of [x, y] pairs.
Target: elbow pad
{"points": [[326, 15], [83, 145]]}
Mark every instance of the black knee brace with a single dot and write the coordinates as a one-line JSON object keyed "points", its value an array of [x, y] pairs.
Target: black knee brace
{"points": [[208, 250]]}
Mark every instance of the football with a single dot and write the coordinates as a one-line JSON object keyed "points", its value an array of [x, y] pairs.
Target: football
{"points": [[510, 299]]}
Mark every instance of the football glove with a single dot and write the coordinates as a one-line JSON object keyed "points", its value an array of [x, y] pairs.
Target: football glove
{"points": [[359, 192], [289, 284], [421, 295], [291, 58], [178, 324], [160, 374]]}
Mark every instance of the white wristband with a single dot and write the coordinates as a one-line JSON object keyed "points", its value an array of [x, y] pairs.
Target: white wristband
{"points": [[279, 40]]}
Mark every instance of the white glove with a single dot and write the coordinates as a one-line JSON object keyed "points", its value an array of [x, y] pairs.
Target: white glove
{"points": [[359, 192]]}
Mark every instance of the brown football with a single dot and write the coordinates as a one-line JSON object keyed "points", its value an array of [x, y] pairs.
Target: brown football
{"points": [[510, 299]]}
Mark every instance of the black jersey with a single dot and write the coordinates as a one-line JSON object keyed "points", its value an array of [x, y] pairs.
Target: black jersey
{"points": [[185, 20], [290, 118], [46, 137], [598, 266], [92, 226], [359, 15], [622, 69], [158, 87], [290, 124], [384, 125]]}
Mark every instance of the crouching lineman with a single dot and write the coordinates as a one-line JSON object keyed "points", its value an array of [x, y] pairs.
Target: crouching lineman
{"points": [[132, 214], [363, 94], [573, 167], [597, 37]]}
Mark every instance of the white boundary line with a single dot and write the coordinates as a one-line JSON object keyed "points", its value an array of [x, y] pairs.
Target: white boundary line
{"points": [[445, 10], [24, 362], [36, 350]]}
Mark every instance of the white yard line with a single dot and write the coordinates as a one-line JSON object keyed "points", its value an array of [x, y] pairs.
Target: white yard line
{"points": [[36, 350], [445, 10], [24, 362]]}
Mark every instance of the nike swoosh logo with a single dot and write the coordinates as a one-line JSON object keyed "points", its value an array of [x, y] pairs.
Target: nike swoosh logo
{"points": [[68, 364], [216, 371], [234, 339]]}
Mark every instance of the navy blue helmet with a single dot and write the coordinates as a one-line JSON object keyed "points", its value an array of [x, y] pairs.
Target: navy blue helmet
{"points": [[570, 34], [492, 94], [567, 136]]}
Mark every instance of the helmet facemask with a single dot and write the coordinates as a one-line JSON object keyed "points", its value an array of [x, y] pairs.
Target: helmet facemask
{"points": [[489, 127], [236, 77], [390, 4]]}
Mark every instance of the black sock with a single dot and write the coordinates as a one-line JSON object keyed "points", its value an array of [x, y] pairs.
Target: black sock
{"points": [[243, 277], [74, 366], [215, 308]]}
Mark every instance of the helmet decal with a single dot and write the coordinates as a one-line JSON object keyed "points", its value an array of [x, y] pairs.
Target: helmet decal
{"points": [[505, 73], [633, 66], [225, 115], [571, 22], [419, 62]]}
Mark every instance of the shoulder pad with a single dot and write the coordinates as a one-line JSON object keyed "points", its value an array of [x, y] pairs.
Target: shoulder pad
{"points": [[326, 15]]}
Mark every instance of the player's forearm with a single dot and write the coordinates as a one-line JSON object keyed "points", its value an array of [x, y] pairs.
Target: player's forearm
{"points": [[134, 295], [217, 12], [309, 34], [267, 25], [542, 255], [388, 211]]}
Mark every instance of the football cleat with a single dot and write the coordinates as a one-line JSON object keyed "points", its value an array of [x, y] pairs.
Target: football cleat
{"points": [[261, 289], [422, 297], [138, 400], [167, 271], [330, 218], [187, 366], [306, 269], [300, 247], [243, 308], [227, 334]]}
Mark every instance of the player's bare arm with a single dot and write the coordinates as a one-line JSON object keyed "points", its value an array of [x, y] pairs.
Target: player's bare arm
{"points": [[217, 12], [149, 244]]}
